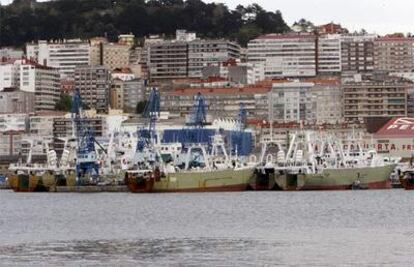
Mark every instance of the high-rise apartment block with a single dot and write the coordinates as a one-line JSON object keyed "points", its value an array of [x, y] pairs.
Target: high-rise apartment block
{"points": [[94, 84], [186, 56], [134, 91], [220, 102], [384, 96], [168, 60], [65, 55], [285, 55], [202, 53], [110, 55], [41, 80], [394, 53], [316, 101], [329, 54], [29, 76], [357, 53]]}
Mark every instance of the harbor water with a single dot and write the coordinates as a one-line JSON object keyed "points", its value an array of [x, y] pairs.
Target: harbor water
{"points": [[360, 228]]}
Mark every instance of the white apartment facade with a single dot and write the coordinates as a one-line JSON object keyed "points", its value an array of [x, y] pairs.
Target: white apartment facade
{"points": [[329, 54], [289, 102], [202, 53], [64, 55], [43, 81], [8, 75], [326, 103], [285, 55], [42, 125], [312, 101]]}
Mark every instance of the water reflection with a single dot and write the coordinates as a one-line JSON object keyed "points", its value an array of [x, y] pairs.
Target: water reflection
{"points": [[190, 252]]}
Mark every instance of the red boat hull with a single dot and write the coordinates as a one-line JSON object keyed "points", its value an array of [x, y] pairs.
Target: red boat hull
{"points": [[408, 184]]}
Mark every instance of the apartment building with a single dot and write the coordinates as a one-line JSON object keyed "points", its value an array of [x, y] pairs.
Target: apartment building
{"points": [[65, 55], [384, 96], [235, 72], [285, 55], [12, 129], [289, 102], [9, 74], [329, 54], [221, 102], [115, 55], [63, 127], [326, 102], [168, 60], [134, 91], [117, 94], [15, 101], [41, 80], [10, 53], [96, 50], [144, 56], [186, 56], [394, 53], [310, 100], [42, 124], [94, 83], [202, 53], [357, 53]]}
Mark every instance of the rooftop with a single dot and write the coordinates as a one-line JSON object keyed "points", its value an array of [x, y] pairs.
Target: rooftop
{"points": [[397, 127], [287, 36]]}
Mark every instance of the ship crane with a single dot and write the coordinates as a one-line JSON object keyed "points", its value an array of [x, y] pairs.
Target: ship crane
{"points": [[196, 121], [145, 154], [147, 134], [236, 138], [86, 157], [242, 117]]}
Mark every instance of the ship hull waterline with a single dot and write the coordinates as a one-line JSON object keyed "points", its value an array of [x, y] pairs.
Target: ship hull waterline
{"points": [[213, 181], [407, 182], [338, 179], [39, 183]]}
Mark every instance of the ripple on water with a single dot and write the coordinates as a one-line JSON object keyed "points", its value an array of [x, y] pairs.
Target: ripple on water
{"points": [[225, 229]]}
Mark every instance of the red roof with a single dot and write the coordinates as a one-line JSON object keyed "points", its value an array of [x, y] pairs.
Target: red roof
{"points": [[122, 70], [397, 127]]}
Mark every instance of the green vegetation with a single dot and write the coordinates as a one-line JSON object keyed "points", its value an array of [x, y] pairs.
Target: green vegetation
{"points": [[26, 20], [64, 103]]}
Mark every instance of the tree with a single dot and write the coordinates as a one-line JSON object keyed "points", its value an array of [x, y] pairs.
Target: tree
{"points": [[248, 32], [140, 107], [27, 20], [64, 103], [304, 25]]}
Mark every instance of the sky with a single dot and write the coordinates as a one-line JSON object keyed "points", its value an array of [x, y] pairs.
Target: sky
{"points": [[375, 16]]}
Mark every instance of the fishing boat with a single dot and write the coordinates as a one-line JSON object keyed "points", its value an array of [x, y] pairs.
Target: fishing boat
{"points": [[41, 177], [194, 170], [407, 178], [321, 163], [268, 166]]}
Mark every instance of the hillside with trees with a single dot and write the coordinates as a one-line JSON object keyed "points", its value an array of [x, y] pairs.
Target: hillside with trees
{"points": [[27, 20]]}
